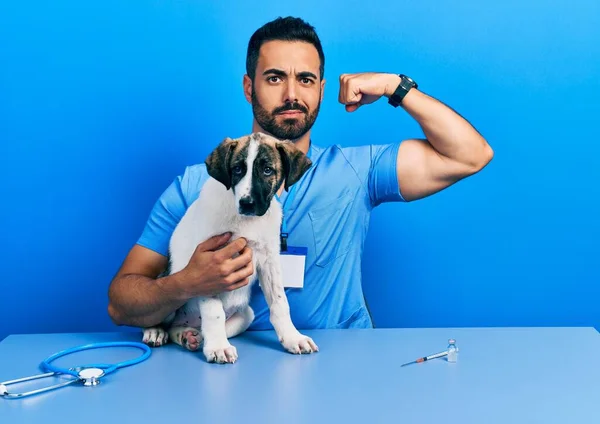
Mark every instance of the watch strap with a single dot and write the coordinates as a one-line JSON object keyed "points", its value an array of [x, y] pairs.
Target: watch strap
{"points": [[406, 84]]}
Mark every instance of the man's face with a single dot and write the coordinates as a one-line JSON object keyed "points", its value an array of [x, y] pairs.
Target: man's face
{"points": [[287, 91]]}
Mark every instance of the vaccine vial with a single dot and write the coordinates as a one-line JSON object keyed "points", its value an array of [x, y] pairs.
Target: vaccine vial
{"points": [[452, 351]]}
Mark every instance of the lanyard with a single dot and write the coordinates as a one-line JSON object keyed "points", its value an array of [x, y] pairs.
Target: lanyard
{"points": [[284, 228], [288, 200]]}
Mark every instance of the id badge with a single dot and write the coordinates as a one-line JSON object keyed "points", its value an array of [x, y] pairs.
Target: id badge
{"points": [[293, 261]]}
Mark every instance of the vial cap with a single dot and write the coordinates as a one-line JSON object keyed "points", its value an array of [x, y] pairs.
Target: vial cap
{"points": [[451, 341]]}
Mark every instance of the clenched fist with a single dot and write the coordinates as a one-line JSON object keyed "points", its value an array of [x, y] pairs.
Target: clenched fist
{"points": [[364, 88]]}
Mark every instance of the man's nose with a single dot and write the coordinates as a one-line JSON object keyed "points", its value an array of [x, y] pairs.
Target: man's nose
{"points": [[290, 92]]}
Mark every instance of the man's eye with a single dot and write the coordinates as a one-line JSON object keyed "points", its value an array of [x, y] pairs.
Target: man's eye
{"points": [[237, 170], [306, 81], [273, 79], [267, 171]]}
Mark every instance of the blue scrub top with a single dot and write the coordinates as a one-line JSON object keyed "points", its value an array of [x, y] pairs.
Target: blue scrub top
{"points": [[329, 214]]}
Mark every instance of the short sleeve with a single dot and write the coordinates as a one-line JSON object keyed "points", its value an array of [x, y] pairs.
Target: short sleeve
{"points": [[164, 217], [383, 176]]}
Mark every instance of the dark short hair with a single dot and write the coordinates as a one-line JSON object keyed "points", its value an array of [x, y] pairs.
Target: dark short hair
{"points": [[284, 29]]}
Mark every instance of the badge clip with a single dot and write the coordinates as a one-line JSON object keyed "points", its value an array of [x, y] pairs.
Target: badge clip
{"points": [[284, 237]]}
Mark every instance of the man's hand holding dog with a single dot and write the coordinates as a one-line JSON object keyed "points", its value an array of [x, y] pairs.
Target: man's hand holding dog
{"points": [[215, 269]]}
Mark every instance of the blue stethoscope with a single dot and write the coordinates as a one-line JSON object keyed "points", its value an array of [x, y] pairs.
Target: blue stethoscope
{"points": [[88, 375]]}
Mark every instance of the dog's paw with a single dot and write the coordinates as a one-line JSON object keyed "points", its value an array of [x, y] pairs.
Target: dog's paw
{"points": [[298, 343], [224, 354], [155, 336], [187, 337]]}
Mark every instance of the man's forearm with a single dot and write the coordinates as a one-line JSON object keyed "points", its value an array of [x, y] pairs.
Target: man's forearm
{"points": [[140, 301], [447, 132]]}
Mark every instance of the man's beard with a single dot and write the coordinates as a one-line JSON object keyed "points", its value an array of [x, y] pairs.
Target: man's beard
{"points": [[289, 129]]}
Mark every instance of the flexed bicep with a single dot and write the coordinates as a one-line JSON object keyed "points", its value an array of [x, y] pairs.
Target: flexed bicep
{"points": [[422, 171]]}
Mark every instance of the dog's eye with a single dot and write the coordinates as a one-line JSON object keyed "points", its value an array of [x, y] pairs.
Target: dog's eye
{"points": [[237, 170], [267, 171]]}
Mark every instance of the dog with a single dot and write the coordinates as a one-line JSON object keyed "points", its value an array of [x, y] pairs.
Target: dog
{"points": [[238, 197]]}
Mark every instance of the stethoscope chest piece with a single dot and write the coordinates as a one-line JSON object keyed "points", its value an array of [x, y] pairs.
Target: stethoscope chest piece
{"points": [[90, 376]]}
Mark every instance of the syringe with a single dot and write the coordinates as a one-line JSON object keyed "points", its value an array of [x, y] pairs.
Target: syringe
{"points": [[427, 358]]}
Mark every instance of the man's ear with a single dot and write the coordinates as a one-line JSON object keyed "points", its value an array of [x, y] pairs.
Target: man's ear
{"points": [[247, 84], [217, 163], [295, 162]]}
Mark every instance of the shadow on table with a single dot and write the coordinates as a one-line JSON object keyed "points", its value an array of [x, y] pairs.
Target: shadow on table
{"points": [[262, 338]]}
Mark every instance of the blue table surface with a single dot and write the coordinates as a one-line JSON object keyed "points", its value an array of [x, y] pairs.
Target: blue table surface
{"points": [[503, 375]]}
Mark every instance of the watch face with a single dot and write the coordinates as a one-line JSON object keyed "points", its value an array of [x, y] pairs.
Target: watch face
{"points": [[408, 81]]}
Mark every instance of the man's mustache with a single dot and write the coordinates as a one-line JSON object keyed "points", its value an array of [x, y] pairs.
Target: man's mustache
{"points": [[291, 106]]}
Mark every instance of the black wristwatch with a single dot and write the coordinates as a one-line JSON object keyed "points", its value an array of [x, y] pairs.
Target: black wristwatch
{"points": [[406, 83]]}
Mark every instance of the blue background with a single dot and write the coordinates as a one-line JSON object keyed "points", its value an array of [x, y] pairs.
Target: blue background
{"points": [[103, 103]]}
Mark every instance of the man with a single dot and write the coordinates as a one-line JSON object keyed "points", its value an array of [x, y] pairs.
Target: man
{"points": [[330, 209]]}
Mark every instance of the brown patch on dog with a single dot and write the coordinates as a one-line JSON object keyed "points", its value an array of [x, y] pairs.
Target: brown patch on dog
{"points": [[267, 159], [295, 163], [287, 161], [219, 161]]}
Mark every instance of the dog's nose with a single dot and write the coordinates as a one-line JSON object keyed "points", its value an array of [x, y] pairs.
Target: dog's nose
{"points": [[246, 206], [246, 202]]}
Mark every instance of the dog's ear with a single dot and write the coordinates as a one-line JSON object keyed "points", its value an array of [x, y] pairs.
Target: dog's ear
{"points": [[295, 163], [217, 163]]}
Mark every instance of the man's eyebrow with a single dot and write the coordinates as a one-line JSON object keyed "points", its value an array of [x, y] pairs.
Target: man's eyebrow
{"points": [[279, 72], [307, 74], [274, 71]]}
